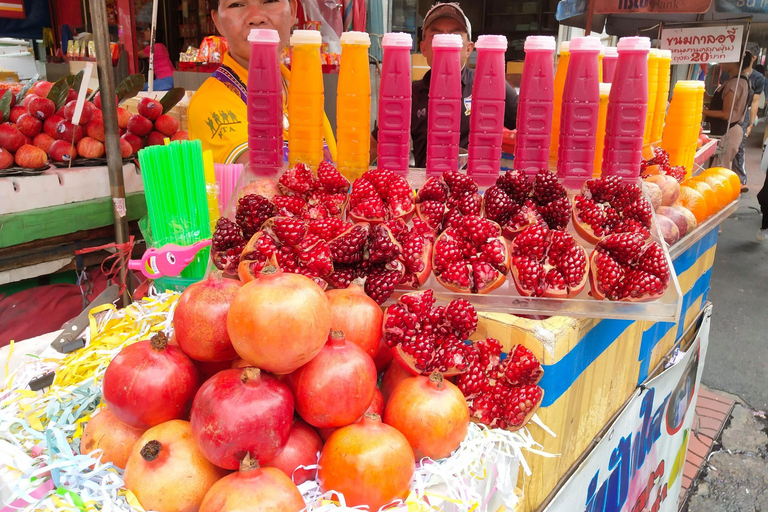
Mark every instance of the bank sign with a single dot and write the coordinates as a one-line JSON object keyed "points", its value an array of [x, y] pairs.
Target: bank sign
{"points": [[638, 465], [627, 6]]}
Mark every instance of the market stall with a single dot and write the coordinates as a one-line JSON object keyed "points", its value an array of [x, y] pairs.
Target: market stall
{"points": [[533, 302]]}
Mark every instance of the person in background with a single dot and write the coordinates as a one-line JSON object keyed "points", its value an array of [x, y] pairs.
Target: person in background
{"points": [[727, 109], [762, 199], [756, 84], [445, 18], [163, 67]]}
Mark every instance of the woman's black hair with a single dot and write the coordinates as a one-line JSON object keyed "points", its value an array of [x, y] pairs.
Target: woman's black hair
{"points": [[747, 60]]}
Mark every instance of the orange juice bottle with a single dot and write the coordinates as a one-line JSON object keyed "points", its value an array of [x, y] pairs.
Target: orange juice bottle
{"points": [[560, 73], [600, 57], [682, 122], [353, 106], [653, 85], [305, 100], [602, 113], [662, 95]]}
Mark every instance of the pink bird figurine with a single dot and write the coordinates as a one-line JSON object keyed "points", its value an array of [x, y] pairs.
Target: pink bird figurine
{"points": [[169, 260]]}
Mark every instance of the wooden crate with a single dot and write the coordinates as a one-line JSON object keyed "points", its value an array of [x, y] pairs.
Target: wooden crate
{"points": [[591, 367]]}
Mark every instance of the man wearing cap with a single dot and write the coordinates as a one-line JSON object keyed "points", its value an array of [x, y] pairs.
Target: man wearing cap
{"points": [[446, 18]]}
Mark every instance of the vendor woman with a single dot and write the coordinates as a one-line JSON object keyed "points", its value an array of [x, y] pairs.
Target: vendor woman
{"points": [[217, 113]]}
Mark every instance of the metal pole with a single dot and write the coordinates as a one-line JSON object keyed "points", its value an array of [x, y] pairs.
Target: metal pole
{"points": [[153, 35], [590, 14], [111, 135]]}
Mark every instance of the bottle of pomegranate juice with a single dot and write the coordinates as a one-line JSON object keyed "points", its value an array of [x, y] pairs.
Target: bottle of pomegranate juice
{"points": [[265, 103], [445, 104], [395, 103]]}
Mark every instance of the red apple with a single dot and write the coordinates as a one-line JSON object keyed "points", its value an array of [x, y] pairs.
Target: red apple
{"points": [[90, 148], [41, 108], [71, 95], [167, 124], [85, 115], [42, 88], [31, 157], [43, 141], [150, 108], [6, 158], [11, 138], [95, 130], [134, 140], [29, 125], [49, 126], [155, 138], [62, 151], [69, 132], [97, 115], [139, 125], [29, 97], [180, 135], [16, 112], [97, 100], [126, 149], [123, 116]]}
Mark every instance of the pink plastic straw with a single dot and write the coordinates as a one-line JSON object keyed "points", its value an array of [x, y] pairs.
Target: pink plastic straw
{"points": [[226, 176]]}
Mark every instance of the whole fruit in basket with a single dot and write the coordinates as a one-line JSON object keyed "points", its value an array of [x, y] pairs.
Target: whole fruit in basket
{"points": [[6, 158], [41, 88], [31, 157], [356, 315], [69, 132], [114, 438], [309, 196], [471, 257], [167, 125], [239, 411], [43, 141], [380, 195], [501, 393], [149, 108], [200, 319], [393, 375], [11, 138], [302, 449], [85, 115], [669, 230], [29, 125], [336, 387], [41, 108], [669, 186], [610, 205], [253, 488], [431, 413], [139, 125], [426, 338], [150, 382], [166, 470], [444, 199], [90, 148], [548, 263], [369, 462], [628, 267]]}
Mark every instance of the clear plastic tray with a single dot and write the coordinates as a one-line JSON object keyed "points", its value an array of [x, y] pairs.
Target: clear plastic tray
{"points": [[702, 229], [506, 299]]}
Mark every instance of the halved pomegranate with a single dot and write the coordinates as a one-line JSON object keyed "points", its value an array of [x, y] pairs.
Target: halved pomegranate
{"points": [[379, 195], [501, 393], [444, 199], [548, 263], [471, 257], [610, 205], [427, 338], [307, 196], [628, 267], [287, 240]]}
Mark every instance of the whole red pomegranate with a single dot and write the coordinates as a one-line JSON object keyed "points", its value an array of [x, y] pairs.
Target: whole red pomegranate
{"points": [[280, 321], [369, 462], [376, 407], [166, 470], [114, 438], [383, 356], [336, 387], [394, 375], [303, 449], [431, 413], [200, 319], [357, 316], [150, 382], [241, 411], [253, 488]]}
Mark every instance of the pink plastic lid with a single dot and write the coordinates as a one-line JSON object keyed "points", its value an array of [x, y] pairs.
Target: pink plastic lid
{"points": [[611, 51], [588, 44], [264, 35], [488, 42], [447, 41], [540, 43], [397, 40], [634, 43]]}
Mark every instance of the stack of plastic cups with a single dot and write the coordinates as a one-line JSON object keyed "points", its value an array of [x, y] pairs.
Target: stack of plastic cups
{"points": [[305, 99], [445, 104], [681, 129], [609, 64], [395, 103], [353, 106], [602, 113], [662, 95], [534, 107], [653, 86], [560, 73], [265, 104]]}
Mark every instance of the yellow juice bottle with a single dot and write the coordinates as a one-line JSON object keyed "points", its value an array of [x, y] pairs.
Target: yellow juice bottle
{"points": [[662, 95], [560, 73], [305, 100], [602, 113], [653, 85], [353, 106]]}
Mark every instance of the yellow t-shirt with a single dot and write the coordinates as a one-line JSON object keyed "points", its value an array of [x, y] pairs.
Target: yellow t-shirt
{"points": [[218, 117]]}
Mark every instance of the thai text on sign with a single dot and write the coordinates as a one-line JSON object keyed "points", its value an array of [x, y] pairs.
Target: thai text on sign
{"points": [[701, 45]]}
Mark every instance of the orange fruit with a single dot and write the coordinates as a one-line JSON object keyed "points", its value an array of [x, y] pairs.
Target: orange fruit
{"points": [[692, 200], [713, 204], [648, 152], [722, 187], [732, 177]]}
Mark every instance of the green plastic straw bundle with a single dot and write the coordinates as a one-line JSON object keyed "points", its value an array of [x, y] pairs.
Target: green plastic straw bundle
{"points": [[177, 206]]}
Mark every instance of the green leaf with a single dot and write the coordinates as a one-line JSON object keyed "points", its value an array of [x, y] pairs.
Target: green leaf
{"points": [[5, 104], [59, 91], [70, 80], [171, 98], [77, 80], [23, 92], [129, 87]]}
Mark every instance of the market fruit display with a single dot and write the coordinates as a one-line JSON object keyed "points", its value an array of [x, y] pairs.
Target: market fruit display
{"points": [[287, 329], [501, 393], [370, 463], [336, 387], [253, 488], [166, 470], [380, 195], [302, 449], [150, 382], [114, 438], [239, 411], [431, 413], [444, 199]]}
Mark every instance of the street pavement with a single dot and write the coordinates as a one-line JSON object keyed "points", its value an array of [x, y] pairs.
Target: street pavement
{"points": [[735, 478]]}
